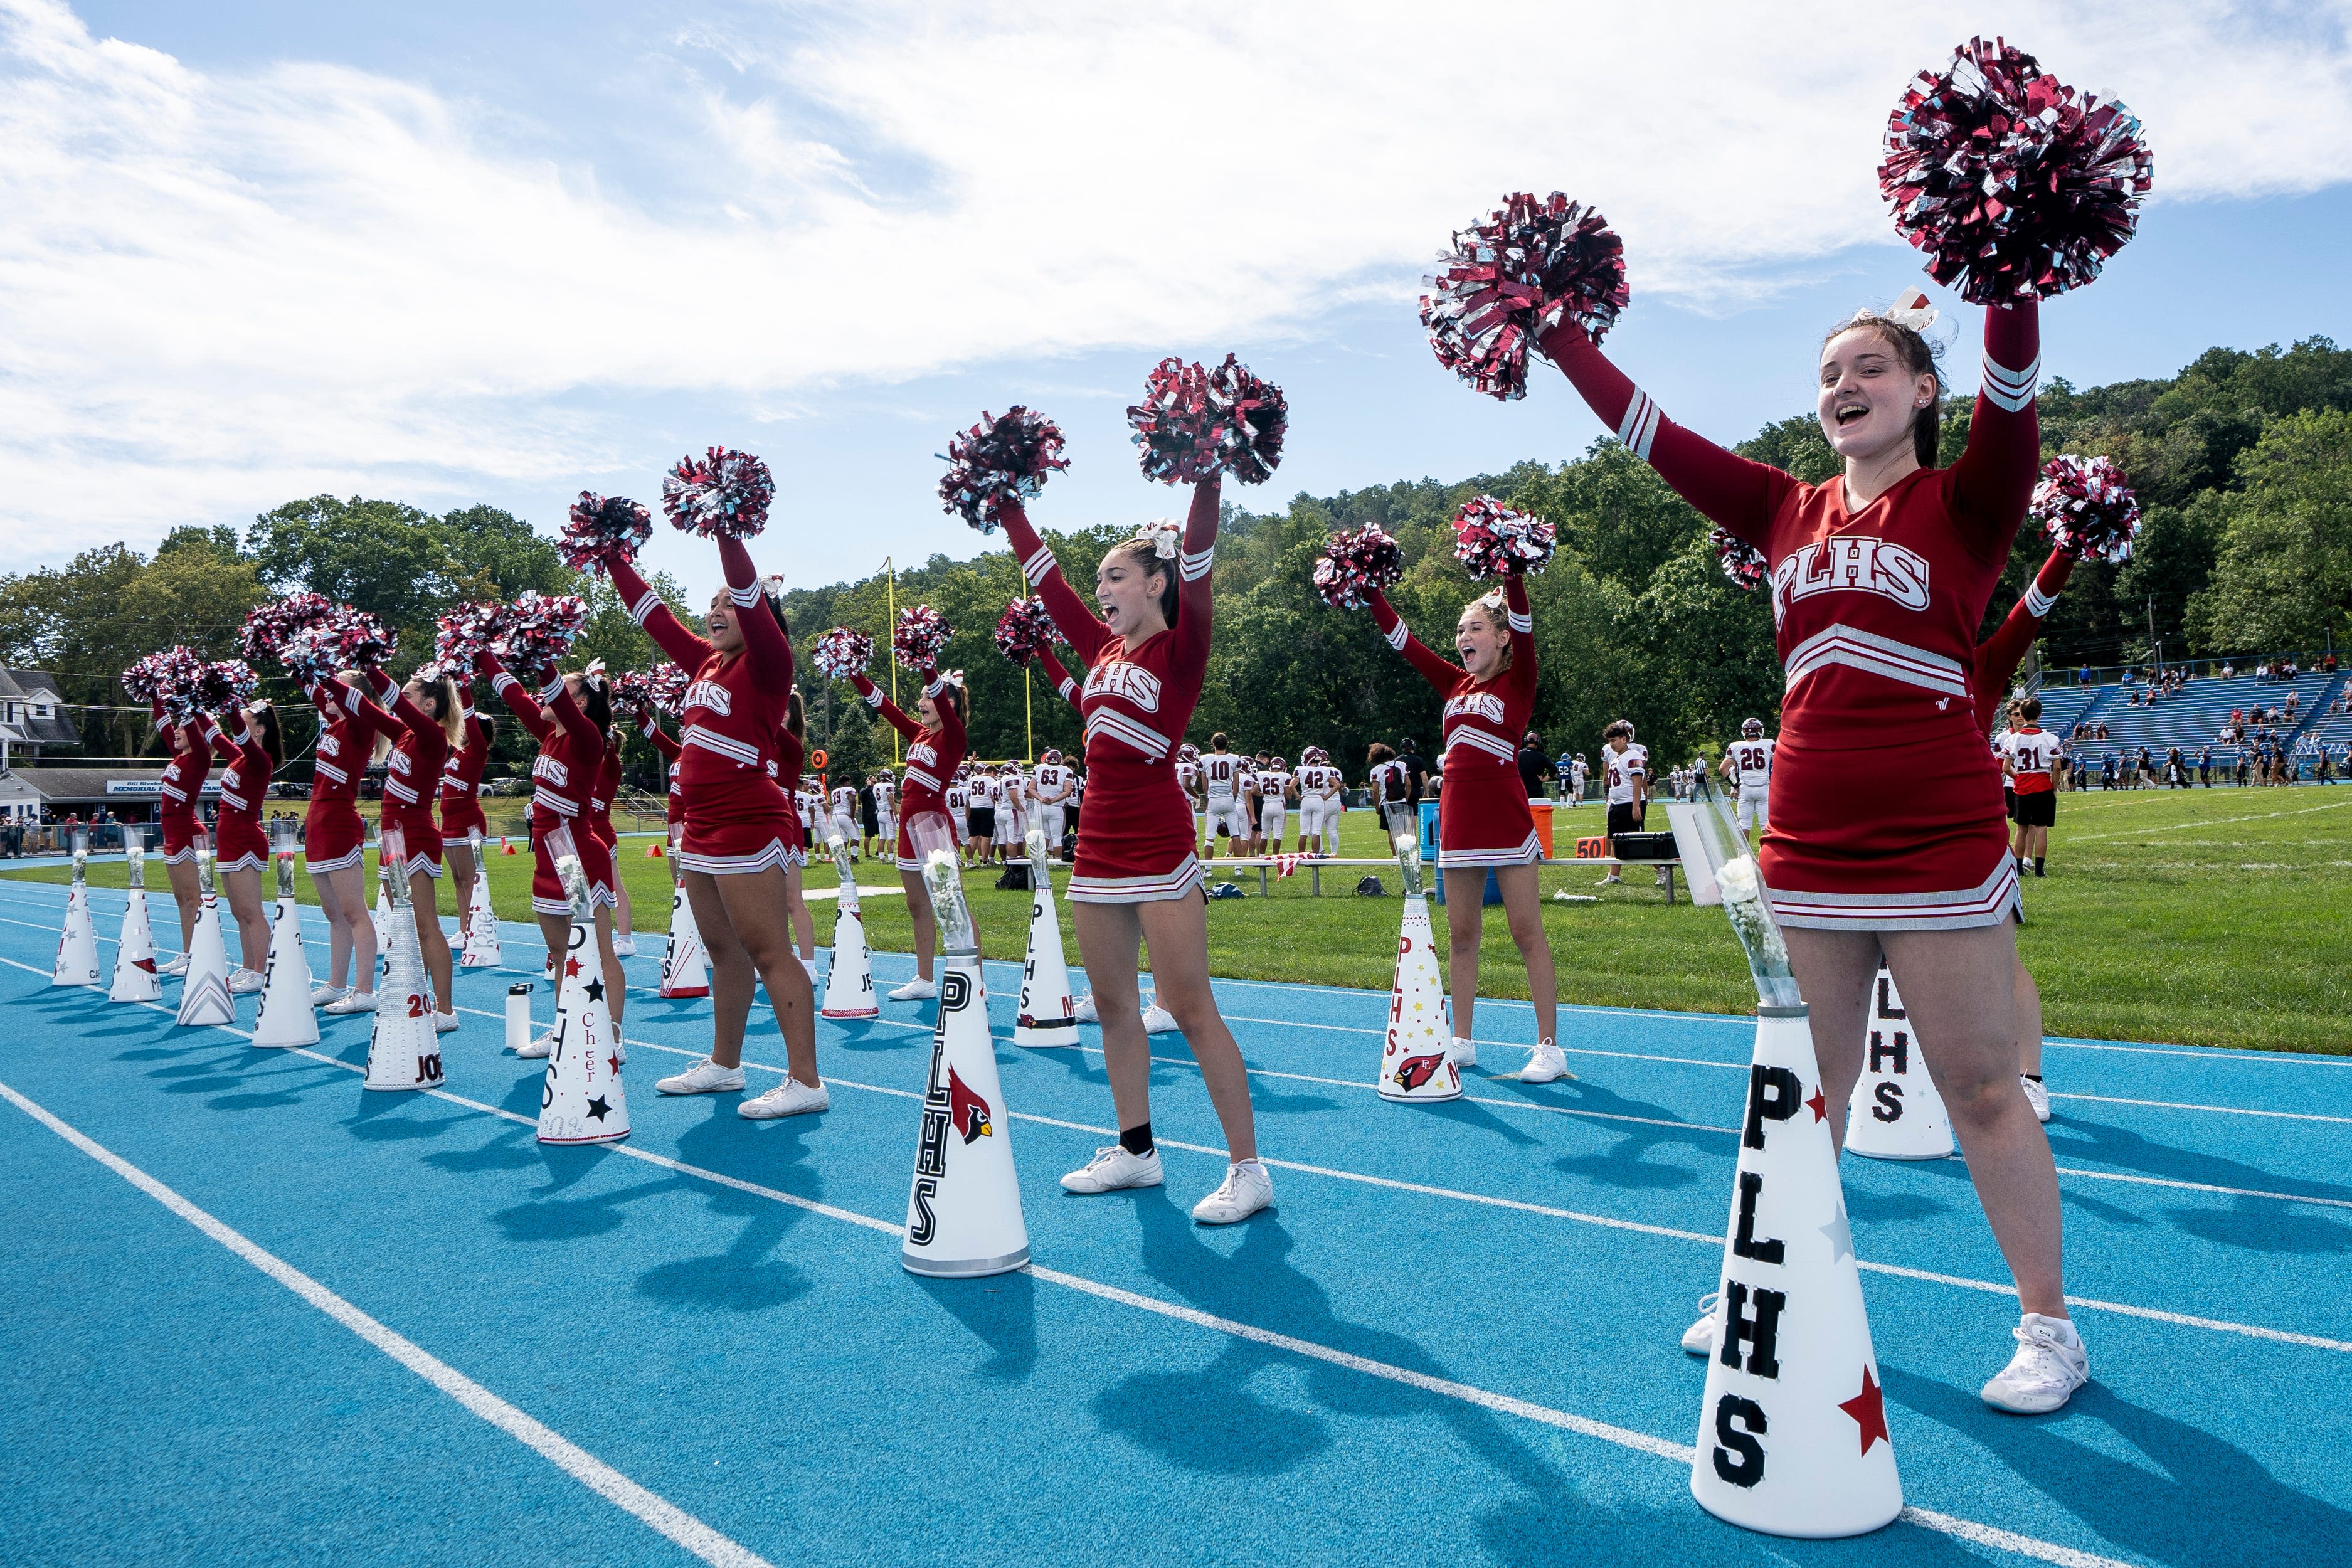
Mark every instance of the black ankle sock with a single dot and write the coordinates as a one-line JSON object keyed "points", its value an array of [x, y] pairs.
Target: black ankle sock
{"points": [[1137, 1140], [2034, 1076], [2037, 865]]}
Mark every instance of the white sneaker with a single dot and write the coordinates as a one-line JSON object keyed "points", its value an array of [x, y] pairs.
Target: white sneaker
{"points": [[244, 983], [543, 1046], [916, 990], [1158, 1020], [1113, 1168], [1611, 880], [1247, 1188], [357, 1002], [809, 964], [1546, 1064], [1082, 1010], [2049, 1366], [174, 966], [2036, 1095], [444, 1022], [1699, 1339], [790, 1097], [1463, 1053], [705, 1076], [626, 946], [321, 994]]}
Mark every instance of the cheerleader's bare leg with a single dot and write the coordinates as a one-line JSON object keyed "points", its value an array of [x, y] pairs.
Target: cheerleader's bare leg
{"points": [[244, 889], [461, 873], [354, 929], [926, 928], [189, 895], [617, 990], [1523, 904], [803, 923], [425, 905], [1110, 939], [1465, 925], [1959, 987], [338, 930], [746, 932]]}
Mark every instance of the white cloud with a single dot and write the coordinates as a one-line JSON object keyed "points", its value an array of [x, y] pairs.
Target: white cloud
{"points": [[220, 289]]}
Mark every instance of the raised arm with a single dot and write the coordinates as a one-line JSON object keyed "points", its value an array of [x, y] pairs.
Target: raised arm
{"points": [[1064, 685], [528, 713], [764, 643], [1438, 672], [372, 716], [394, 696], [952, 740], [890, 710], [1189, 660], [1730, 491], [588, 740], [645, 608], [1999, 655], [1078, 626], [1994, 478], [1523, 633], [663, 741]]}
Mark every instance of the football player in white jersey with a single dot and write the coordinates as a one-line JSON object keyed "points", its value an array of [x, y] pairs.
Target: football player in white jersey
{"points": [[1188, 779], [1276, 789], [1625, 774], [886, 814], [844, 819], [1748, 765], [1580, 773], [1319, 802], [2029, 764], [1013, 818], [957, 798], [1220, 781], [1055, 786]]}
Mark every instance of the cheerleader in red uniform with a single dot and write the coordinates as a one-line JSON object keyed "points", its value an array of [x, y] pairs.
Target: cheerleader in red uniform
{"points": [[462, 824], [425, 726], [180, 789], [1482, 820], [569, 718], [739, 824], [1137, 878], [599, 821], [334, 847], [935, 747], [791, 756], [1886, 831], [254, 750]]}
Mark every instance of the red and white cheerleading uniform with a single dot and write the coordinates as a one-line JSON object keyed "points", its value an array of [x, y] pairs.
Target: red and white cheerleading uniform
{"points": [[600, 795], [1481, 803], [242, 846], [182, 786], [332, 837], [790, 757], [461, 779], [571, 750], [420, 752], [737, 818], [932, 758], [1885, 806], [674, 805], [1135, 843]]}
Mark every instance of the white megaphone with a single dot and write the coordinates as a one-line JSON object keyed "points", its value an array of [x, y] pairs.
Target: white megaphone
{"points": [[849, 977], [76, 962], [684, 971], [287, 1017], [134, 955], [1896, 1112], [403, 1047], [204, 997], [1048, 1014], [582, 1100], [481, 949], [1416, 1054]]}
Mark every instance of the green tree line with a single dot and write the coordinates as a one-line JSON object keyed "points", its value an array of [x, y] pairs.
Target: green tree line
{"points": [[2243, 463]]}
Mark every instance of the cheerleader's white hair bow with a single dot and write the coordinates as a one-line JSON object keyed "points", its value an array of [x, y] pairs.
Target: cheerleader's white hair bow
{"points": [[1492, 598], [594, 673], [953, 677], [1910, 310], [1164, 536]]}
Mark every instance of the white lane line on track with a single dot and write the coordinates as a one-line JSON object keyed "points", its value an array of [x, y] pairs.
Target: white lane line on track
{"points": [[2208, 1054], [581, 1466], [1468, 1394], [2219, 1109]]}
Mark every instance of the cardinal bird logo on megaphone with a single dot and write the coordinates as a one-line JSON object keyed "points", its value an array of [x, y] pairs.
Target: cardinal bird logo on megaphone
{"points": [[1414, 1071], [968, 1111]]}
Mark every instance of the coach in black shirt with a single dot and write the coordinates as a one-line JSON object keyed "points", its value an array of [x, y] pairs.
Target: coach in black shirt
{"points": [[1415, 765]]}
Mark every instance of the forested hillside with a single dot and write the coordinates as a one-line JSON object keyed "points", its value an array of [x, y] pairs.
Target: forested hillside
{"points": [[2244, 462]]}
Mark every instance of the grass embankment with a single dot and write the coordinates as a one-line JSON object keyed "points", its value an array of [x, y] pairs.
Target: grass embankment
{"points": [[2212, 917]]}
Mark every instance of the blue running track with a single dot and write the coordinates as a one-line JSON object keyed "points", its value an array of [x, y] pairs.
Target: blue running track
{"points": [[257, 1315]]}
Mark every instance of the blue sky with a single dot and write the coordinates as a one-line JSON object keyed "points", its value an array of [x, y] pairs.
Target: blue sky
{"points": [[502, 253]]}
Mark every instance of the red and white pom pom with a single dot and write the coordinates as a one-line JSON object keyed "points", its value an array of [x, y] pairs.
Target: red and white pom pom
{"points": [[313, 654], [841, 653], [633, 688], [919, 637], [1510, 275], [359, 638], [667, 686], [603, 530], [226, 684], [170, 678], [1353, 564], [266, 626], [1490, 538], [2087, 508], [1741, 562], [2010, 179], [723, 494], [1025, 630], [999, 461], [1195, 422], [464, 635], [540, 628]]}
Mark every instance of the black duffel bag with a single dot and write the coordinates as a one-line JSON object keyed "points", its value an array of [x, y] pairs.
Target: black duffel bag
{"points": [[1642, 845], [1016, 876]]}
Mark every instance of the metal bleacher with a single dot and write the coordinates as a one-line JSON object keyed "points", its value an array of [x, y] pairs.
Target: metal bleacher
{"points": [[2199, 712]]}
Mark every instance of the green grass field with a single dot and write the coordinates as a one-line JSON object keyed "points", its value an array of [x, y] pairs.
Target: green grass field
{"points": [[2212, 917]]}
